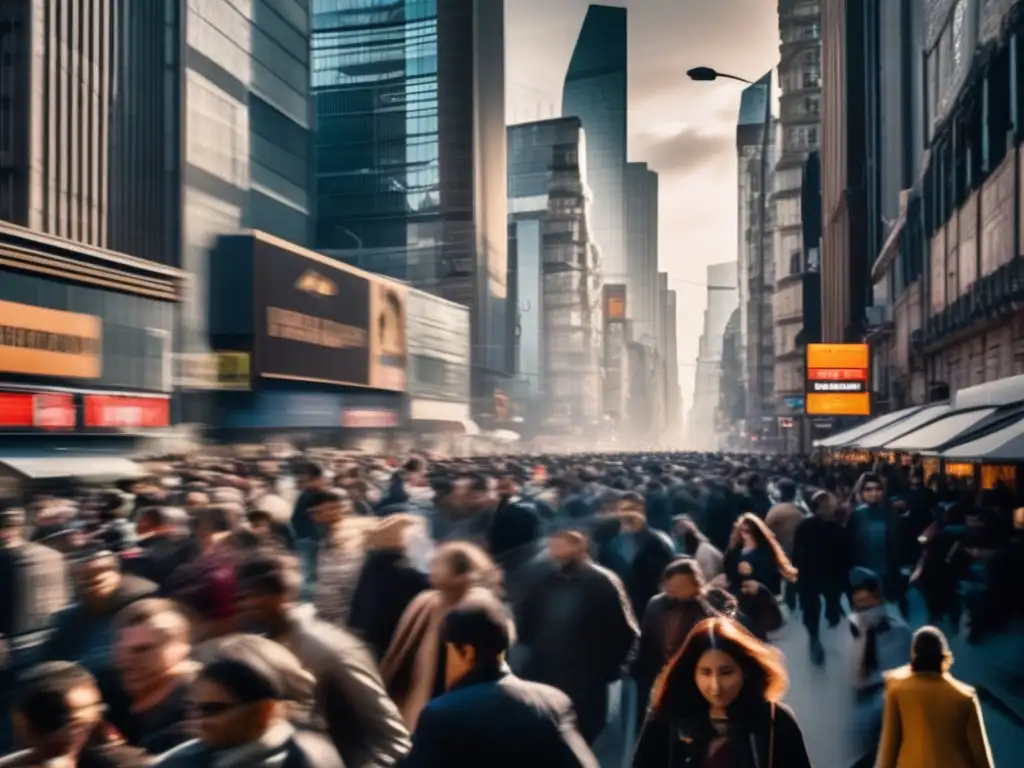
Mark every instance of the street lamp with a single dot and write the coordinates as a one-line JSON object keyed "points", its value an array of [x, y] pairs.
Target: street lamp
{"points": [[707, 74]]}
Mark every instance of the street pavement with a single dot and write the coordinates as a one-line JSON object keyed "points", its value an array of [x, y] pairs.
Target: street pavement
{"points": [[821, 699]]}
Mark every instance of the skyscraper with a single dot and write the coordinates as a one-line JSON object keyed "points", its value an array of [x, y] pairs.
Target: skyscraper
{"points": [[595, 91], [411, 157], [556, 278], [641, 201]]}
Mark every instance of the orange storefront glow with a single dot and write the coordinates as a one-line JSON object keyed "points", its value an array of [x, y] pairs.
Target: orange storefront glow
{"points": [[837, 363]]}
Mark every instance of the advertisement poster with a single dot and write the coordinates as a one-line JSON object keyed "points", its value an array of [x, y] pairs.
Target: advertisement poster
{"points": [[36, 341], [837, 380], [319, 320]]}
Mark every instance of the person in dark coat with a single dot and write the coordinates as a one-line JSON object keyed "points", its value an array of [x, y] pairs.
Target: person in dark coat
{"points": [[820, 550], [387, 583], [84, 632], [637, 553], [667, 622], [875, 534], [488, 715], [58, 718], [242, 722], [352, 706], [718, 704], [163, 545], [517, 545], [34, 579], [579, 629]]}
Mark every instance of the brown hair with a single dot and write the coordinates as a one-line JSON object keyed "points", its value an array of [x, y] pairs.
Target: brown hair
{"points": [[763, 668], [465, 558], [764, 538]]}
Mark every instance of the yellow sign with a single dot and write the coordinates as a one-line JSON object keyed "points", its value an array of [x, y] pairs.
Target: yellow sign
{"points": [[234, 370], [36, 341]]}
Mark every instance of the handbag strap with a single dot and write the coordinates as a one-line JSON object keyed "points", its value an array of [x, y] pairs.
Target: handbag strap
{"points": [[771, 739]]}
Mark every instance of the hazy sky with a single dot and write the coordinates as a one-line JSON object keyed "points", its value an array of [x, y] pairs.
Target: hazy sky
{"points": [[683, 130]]}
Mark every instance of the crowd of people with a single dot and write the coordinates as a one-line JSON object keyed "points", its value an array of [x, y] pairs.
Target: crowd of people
{"points": [[602, 610]]}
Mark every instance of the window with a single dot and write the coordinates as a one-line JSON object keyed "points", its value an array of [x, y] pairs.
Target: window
{"points": [[812, 77]]}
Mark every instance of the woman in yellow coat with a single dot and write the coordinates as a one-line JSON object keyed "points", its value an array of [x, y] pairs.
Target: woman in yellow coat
{"points": [[931, 718]]}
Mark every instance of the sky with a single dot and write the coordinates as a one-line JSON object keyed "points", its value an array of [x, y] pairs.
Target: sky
{"points": [[682, 129]]}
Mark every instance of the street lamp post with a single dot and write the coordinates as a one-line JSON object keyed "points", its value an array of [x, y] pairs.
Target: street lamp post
{"points": [[708, 74]]}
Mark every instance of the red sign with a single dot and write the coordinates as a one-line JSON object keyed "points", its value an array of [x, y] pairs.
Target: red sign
{"points": [[836, 374], [124, 412], [25, 410], [369, 419]]}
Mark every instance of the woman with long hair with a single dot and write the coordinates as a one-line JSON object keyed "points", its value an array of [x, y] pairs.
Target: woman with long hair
{"points": [[716, 705], [690, 541], [931, 718], [413, 668], [755, 555]]}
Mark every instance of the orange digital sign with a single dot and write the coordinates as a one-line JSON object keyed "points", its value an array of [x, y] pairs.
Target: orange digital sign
{"points": [[837, 382]]}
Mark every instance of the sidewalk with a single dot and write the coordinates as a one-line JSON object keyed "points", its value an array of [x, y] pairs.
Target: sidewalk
{"points": [[995, 667]]}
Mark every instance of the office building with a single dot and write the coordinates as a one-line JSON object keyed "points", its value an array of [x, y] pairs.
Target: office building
{"points": [[800, 122], [595, 91], [755, 148], [642, 252], [701, 426], [555, 278], [411, 155]]}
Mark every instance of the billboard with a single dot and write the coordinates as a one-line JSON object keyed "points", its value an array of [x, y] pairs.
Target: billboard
{"points": [[319, 320], [837, 380], [36, 341], [438, 343], [614, 302]]}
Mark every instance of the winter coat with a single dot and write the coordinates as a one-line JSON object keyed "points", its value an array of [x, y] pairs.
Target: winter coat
{"points": [[280, 747], [931, 719]]}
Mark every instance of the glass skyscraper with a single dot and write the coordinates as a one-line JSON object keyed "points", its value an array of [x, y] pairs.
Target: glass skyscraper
{"points": [[596, 92], [410, 160]]}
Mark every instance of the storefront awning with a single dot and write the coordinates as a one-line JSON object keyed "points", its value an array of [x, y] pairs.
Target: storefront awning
{"points": [[845, 438], [1005, 445], [92, 468], [880, 438], [940, 432], [993, 393]]}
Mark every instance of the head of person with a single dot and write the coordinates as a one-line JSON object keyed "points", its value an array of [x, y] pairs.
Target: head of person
{"points": [[518, 525], [474, 493], [269, 583], [478, 632], [151, 644], [330, 507], [235, 701], [866, 591], [929, 651], [569, 547], [415, 471], [444, 492], [872, 490], [217, 522], [823, 504], [311, 477], [723, 601], [57, 708], [682, 579], [162, 521], [196, 500], [96, 576], [786, 489], [720, 668], [459, 565], [750, 532], [687, 534], [631, 511], [12, 525]]}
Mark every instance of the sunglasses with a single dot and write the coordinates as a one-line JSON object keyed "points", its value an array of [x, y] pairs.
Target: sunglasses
{"points": [[205, 709]]}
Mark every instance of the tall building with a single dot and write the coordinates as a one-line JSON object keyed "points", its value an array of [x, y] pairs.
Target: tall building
{"points": [[800, 121], [755, 266], [411, 154], [702, 426], [642, 251], [595, 91], [555, 277], [56, 85]]}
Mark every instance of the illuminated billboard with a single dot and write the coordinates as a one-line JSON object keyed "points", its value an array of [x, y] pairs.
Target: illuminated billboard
{"points": [[837, 380]]}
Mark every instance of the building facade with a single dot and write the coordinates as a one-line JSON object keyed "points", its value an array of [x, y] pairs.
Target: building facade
{"points": [[702, 426], [555, 278], [800, 124], [642, 252], [411, 155], [756, 141], [596, 91]]}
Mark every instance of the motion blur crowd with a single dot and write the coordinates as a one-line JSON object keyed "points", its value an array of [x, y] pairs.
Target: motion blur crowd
{"points": [[608, 610]]}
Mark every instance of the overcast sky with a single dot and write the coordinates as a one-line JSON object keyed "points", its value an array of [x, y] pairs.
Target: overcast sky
{"points": [[683, 130]]}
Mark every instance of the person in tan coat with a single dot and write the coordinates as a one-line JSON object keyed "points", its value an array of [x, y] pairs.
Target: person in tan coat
{"points": [[931, 718]]}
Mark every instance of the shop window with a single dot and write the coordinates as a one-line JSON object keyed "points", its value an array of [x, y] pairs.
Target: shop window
{"points": [[992, 474]]}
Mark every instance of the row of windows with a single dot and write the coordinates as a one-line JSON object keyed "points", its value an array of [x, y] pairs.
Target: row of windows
{"points": [[217, 132], [221, 33]]}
